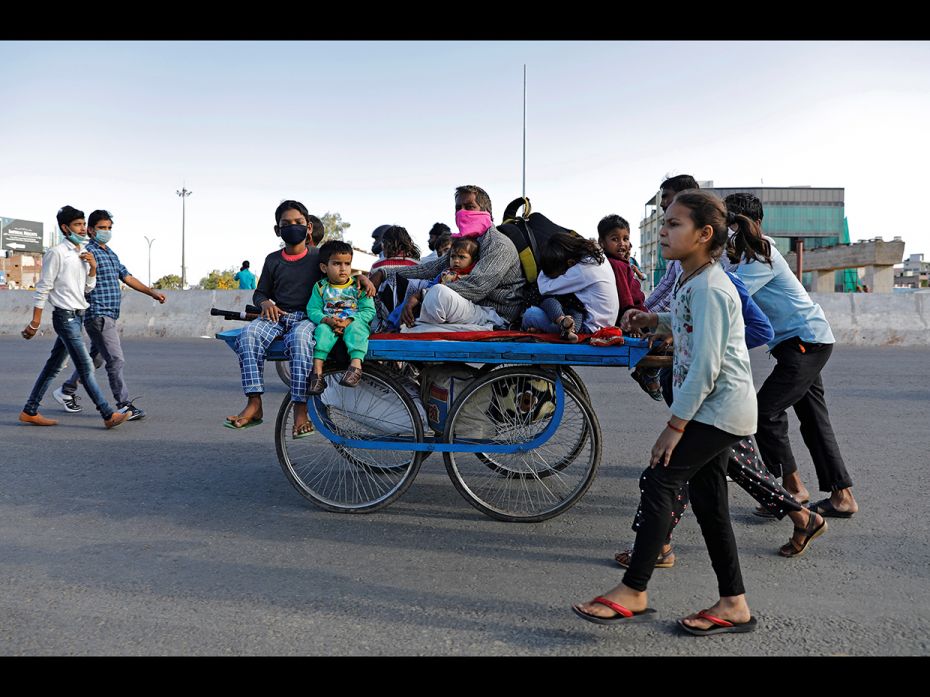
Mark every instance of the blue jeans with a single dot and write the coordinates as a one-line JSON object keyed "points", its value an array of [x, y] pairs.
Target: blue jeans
{"points": [[67, 325], [104, 347], [544, 317]]}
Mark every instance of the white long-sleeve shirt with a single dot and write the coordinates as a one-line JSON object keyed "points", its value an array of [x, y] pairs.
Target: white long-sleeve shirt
{"points": [[594, 285], [64, 279]]}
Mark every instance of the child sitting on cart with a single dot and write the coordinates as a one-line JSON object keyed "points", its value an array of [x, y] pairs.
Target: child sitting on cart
{"points": [[463, 255], [338, 309], [572, 265]]}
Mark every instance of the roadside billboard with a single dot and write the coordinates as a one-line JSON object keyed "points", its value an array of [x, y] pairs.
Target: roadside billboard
{"points": [[21, 236]]}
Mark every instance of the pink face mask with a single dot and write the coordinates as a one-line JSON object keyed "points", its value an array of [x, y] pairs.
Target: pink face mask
{"points": [[472, 223]]}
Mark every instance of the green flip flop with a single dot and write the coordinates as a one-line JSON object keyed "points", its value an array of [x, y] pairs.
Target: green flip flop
{"points": [[253, 422]]}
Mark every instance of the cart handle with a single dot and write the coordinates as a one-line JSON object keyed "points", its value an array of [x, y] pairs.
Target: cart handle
{"points": [[251, 312]]}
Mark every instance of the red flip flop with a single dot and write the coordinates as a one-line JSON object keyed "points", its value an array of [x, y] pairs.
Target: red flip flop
{"points": [[623, 615], [720, 626]]}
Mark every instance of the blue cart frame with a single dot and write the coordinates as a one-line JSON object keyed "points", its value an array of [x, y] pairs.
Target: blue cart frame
{"points": [[509, 473]]}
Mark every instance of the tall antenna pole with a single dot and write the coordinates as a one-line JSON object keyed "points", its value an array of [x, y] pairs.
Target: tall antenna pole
{"points": [[183, 193], [524, 130]]}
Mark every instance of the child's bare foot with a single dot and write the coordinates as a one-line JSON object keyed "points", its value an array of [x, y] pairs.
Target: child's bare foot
{"points": [[252, 414], [567, 325]]}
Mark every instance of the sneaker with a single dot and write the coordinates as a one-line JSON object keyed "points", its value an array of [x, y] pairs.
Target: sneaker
{"points": [[133, 411], [68, 401]]}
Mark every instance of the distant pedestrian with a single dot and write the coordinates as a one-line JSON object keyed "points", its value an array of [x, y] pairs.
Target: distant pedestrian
{"points": [[245, 277]]}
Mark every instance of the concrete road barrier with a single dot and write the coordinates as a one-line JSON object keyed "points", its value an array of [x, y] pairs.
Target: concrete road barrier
{"points": [[857, 319], [184, 314]]}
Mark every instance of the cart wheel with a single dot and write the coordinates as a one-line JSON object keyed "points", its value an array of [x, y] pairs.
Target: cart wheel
{"points": [[514, 405], [284, 371], [345, 479]]}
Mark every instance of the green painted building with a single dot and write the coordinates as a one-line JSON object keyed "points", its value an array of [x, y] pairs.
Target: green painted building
{"points": [[815, 215]]}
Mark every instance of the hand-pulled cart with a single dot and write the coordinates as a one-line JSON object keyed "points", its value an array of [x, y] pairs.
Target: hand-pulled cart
{"points": [[521, 441]]}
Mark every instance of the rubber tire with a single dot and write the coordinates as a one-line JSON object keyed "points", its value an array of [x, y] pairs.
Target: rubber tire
{"points": [[593, 426], [281, 438]]}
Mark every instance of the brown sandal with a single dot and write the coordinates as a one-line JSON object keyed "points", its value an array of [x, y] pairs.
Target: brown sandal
{"points": [[303, 430], [317, 385], [796, 549], [352, 377], [665, 560]]}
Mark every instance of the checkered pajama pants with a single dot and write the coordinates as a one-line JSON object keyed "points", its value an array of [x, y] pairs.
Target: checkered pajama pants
{"points": [[254, 341]]}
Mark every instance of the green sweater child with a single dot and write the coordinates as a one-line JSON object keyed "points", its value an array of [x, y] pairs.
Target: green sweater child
{"points": [[338, 309]]}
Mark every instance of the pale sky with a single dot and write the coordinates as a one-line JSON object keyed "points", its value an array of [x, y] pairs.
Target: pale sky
{"points": [[383, 132]]}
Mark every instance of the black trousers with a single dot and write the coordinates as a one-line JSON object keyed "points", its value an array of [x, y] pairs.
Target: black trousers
{"points": [[796, 382], [745, 467], [700, 460]]}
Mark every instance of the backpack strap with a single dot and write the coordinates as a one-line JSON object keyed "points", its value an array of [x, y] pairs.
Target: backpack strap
{"points": [[510, 212]]}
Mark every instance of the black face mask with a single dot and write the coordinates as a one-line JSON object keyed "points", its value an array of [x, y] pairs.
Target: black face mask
{"points": [[293, 234], [376, 247]]}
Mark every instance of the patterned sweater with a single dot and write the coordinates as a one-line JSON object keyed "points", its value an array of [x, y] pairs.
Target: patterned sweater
{"points": [[496, 281], [711, 375]]}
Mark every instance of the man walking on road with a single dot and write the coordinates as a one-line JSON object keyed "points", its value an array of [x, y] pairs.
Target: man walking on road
{"points": [[101, 315]]}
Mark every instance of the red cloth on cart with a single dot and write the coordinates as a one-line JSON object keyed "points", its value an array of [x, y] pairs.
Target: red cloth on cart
{"points": [[487, 335]]}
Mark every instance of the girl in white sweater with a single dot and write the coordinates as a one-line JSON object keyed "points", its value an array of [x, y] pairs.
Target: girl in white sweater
{"points": [[714, 407], [578, 289]]}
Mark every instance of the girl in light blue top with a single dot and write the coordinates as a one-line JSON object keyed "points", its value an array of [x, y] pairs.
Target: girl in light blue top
{"points": [[713, 409], [802, 346]]}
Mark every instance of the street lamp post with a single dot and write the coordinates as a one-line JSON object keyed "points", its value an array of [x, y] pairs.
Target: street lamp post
{"points": [[183, 193], [150, 258]]}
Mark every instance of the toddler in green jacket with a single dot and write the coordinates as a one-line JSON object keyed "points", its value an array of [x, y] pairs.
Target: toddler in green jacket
{"points": [[338, 309]]}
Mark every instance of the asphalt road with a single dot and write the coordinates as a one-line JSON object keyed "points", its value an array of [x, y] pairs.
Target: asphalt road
{"points": [[173, 535]]}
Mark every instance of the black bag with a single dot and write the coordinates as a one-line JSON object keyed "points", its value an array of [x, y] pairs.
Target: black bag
{"points": [[528, 232]]}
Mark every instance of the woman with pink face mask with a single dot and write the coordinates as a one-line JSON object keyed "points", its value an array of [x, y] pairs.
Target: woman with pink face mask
{"points": [[490, 296]]}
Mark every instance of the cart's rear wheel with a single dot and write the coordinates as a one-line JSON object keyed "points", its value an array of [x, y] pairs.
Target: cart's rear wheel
{"points": [[515, 405], [568, 376], [349, 479]]}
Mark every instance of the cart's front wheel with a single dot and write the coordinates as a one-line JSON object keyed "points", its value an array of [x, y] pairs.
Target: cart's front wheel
{"points": [[352, 479], [515, 405]]}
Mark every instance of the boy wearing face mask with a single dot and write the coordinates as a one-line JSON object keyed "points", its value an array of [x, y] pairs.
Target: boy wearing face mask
{"points": [[100, 318], [68, 273], [283, 291]]}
